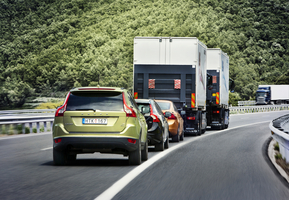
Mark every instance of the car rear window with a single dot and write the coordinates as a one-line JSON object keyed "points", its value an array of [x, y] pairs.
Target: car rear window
{"points": [[144, 107], [97, 101], [164, 105]]}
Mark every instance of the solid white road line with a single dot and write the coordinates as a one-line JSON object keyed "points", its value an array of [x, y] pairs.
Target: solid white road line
{"points": [[124, 181], [48, 148]]}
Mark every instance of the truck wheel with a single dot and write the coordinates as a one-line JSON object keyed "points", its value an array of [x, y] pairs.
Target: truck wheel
{"points": [[59, 157], [144, 152], [134, 157], [167, 143], [160, 146]]}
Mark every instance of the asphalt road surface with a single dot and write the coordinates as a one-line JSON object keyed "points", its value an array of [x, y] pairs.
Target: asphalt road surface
{"points": [[228, 164]]}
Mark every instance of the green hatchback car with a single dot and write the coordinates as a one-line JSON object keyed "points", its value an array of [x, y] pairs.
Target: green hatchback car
{"points": [[98, 119]]}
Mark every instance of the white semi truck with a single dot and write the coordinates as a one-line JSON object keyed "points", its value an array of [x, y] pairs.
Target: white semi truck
{"points": [[175, 69], [272, 94], [218, 90]]}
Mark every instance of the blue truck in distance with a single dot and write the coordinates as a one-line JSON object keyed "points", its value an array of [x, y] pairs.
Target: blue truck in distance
{"points": [[272, 94]]}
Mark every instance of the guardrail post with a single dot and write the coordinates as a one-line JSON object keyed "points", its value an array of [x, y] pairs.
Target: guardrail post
{"points": [[51, 126], [30, 127], [45, 126], [23, 128], [38, 127]]}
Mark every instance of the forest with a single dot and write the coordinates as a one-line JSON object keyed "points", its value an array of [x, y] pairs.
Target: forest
{"points": [[49, 46]]}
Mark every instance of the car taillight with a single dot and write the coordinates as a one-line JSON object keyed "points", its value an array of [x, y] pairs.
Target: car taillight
{"points": [[60, 111], [155, 118], [57, 140], [129, 111], [191, 118], [133, 141], [216, 111], [172, 116]]}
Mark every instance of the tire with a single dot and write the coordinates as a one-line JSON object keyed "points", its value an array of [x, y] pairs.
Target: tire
{"points": [[71, 159], [176, 138], [144, 152], [160, 146], [167, 143], [182, 136], [60, 157], [134, 157]]}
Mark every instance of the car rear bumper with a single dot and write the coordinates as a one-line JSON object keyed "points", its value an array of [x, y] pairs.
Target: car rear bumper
{"points": [[173, 127], [155, 134], [95, 144]]}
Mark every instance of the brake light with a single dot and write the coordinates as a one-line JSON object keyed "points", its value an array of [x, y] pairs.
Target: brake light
{"points": [[133, 141], [96, 89], [60, 111], [57, 140], [155, 118], [191, 118], [129, 111], [216, 111], [172, 116]]}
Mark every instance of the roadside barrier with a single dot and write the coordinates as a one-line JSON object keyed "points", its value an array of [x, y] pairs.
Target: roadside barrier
{"points": [[253, 109], [280, 133], [30, 118], [246, 103]]}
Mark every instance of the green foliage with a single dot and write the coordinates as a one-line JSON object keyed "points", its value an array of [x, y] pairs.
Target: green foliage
{"points": [[49, 105], [19, 128], [34, 130], [278, 156], [27, 130], [276, 146], [234, 98], [49, 46]]}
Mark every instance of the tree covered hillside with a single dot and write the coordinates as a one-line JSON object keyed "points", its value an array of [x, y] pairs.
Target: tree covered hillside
{"points": [[50, 46]]}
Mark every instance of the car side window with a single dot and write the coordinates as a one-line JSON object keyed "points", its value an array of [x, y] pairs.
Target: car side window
{"points": [[159, 110], [175, 108], [132, 101]]}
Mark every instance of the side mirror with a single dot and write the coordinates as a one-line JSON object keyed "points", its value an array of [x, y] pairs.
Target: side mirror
{"points": [[168, 114]]}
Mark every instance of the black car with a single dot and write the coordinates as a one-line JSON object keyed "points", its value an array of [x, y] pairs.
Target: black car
{"points": [[158, 128]]}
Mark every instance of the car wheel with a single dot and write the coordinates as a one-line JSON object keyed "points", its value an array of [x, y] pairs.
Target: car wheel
{"points": [[160, 146], [59, 157], [144, 152], [182, 136], [167, 143], [71, 158], [135, 156]]}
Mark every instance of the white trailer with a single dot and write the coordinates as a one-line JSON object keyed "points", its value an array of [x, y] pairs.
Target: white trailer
{"points": [[218, 95], [173, 68], [272, 94]]}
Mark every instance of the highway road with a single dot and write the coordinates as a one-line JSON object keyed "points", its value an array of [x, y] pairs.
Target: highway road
{"points": [[228, 164]]}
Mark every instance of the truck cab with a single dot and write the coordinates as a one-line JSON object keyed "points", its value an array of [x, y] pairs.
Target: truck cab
{"points": [[263, 95]]}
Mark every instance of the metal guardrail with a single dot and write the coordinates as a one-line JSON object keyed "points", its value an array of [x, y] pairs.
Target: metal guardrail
{"points": [[26, 118], [13, 112], [246, 103], [280, 133], [253, 109]]}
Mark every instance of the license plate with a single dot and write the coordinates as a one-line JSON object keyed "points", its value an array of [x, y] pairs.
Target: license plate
{"points": [[94, 121]]}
